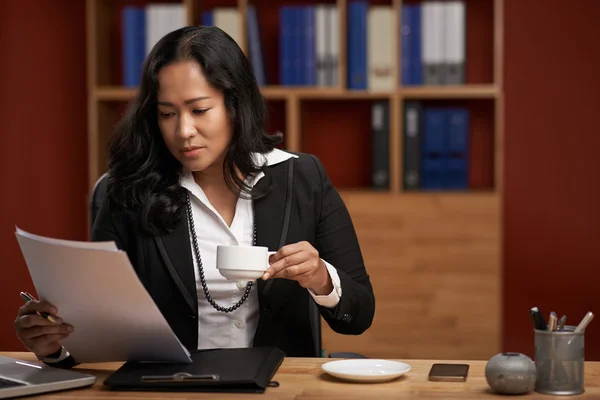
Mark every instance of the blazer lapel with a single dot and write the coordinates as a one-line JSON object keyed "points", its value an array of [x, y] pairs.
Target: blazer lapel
{"points": [[175, 250], [269, 214]]}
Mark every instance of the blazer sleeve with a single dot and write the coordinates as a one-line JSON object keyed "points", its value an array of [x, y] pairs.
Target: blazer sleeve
{"points": [[337, 243], [105, 228]]}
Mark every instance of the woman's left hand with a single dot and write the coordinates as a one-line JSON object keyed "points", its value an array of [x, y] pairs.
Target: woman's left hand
{"points": [[300, 262]]}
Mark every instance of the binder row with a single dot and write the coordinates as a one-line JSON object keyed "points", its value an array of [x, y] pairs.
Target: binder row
{"points": [[432, 38], [435, 146], [142, 28], [309, 45], [433, 43]]}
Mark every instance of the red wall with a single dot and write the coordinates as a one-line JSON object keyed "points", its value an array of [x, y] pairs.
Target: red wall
{"points": [[43, 143], [552, 190], [552, 185]]}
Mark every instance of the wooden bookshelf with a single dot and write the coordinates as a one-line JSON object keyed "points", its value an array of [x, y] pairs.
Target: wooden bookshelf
{"points": [[433, 257]]}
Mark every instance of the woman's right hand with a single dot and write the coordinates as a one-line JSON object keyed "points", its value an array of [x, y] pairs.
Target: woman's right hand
{"points": [[38, 334]]}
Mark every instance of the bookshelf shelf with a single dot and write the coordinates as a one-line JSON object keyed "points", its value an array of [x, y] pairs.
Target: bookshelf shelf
{"points": [[451, 92], [307, 93], [110, 93], [113, 93], [424, 249]]}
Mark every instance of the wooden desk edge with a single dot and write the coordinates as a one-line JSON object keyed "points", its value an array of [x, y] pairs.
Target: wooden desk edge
{"points": [[304, 379]]}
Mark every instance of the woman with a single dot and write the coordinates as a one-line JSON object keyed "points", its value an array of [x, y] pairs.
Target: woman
{"points": [[191, 168]]}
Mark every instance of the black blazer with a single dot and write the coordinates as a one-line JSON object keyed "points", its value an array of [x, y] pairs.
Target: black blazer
{"points": [[317, 214]]}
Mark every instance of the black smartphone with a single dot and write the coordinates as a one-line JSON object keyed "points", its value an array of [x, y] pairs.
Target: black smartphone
{"points": [[449, 372]]}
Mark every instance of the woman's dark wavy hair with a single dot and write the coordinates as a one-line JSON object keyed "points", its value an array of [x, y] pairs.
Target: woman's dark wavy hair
{"points": [[143, 174]]}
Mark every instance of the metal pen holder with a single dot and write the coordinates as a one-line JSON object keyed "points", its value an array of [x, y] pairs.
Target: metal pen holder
{"points": [[559, 360]]}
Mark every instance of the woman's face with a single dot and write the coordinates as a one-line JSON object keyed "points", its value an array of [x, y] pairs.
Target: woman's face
{"points": [[192, 118]]}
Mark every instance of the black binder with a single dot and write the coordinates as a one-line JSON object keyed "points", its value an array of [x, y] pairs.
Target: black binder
{"points": [[220, 370]]}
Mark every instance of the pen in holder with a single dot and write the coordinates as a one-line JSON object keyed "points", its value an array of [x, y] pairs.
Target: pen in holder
{"points": [[559, 360]]}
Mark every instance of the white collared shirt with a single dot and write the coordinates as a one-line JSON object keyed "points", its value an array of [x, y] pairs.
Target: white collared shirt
{"points": [[235, 329]]}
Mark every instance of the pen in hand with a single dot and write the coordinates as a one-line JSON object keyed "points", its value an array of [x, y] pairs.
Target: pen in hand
{"points": [[27, 297]]}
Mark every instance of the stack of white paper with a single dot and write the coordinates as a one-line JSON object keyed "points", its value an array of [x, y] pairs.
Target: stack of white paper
{"points": [[95, 289]]}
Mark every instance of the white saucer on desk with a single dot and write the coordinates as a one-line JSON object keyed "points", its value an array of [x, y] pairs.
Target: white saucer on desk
{"points": [[366, 370]]}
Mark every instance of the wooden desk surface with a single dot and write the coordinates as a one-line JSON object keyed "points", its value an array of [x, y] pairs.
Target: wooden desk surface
{"points": [[303, 379]]}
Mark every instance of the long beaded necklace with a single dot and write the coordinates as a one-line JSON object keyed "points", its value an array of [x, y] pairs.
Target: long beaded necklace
{"points": [[199, 260]]}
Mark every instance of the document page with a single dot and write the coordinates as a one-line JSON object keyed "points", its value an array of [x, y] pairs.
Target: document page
{"points": [[96, 289]]}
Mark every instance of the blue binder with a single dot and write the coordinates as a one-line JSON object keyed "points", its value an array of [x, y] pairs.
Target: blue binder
{"points": [[457, 152], [433, 160], [134, 44], [357, 45], [285, 46], [445, 149]]}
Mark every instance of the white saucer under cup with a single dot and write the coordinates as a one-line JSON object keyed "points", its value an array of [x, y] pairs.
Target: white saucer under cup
{"points": [[366, 370]]}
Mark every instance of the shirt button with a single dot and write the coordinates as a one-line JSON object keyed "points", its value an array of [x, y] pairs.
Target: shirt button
{"points": [[238, 324], [241, 285]]}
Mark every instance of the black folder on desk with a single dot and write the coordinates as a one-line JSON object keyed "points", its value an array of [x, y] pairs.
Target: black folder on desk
{"points": [[219, 370]]}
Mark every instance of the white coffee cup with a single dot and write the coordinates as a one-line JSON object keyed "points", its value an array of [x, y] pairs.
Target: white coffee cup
{"points": [[242, 262]]}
